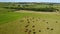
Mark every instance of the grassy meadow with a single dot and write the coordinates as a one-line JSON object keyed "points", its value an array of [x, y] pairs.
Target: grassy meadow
{"points": [[15, 21]]}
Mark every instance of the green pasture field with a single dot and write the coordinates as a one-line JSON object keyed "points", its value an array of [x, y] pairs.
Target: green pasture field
{"points": [[15, 21], [28, 23]]}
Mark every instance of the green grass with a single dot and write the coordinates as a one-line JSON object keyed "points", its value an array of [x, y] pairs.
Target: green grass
{"points": [[12, 22], [9, 16], [18, 27]]}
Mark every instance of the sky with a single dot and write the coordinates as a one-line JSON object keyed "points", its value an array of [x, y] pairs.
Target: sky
{"points": [[54, 1]]}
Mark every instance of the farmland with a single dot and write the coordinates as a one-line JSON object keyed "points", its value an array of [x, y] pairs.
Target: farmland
{"points": [[29, 18]]}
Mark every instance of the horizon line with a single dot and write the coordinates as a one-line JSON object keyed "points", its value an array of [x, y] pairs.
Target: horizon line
{"points": [[46, 2]]}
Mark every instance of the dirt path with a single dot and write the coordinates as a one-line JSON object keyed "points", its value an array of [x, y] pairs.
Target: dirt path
{"points": [[27, 11]]}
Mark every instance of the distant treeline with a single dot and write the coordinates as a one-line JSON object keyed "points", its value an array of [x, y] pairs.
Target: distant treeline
{"points": [[47, 7]]}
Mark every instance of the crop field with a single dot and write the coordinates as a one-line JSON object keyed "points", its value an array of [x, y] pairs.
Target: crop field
{"points": [[29, 20]]}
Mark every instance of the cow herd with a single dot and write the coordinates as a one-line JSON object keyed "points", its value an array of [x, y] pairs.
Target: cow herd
{"points": [[28, 29]]}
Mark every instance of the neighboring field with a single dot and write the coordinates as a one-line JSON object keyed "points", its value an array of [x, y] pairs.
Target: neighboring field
{"points": [[34, 22]]}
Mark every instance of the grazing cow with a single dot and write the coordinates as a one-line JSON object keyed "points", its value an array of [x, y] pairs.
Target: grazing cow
{"points": [[27, 19], [56, 21], [34, 32], [29, 32], [52, 29], [32, 21], [26, 25], [26, 31], [39, 30], [47, 28], [47, 22], [33, 29], [33, 26], [28, 22]]}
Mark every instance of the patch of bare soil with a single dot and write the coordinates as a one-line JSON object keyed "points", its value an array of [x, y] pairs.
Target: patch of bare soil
{"points": [[27, 11]]}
